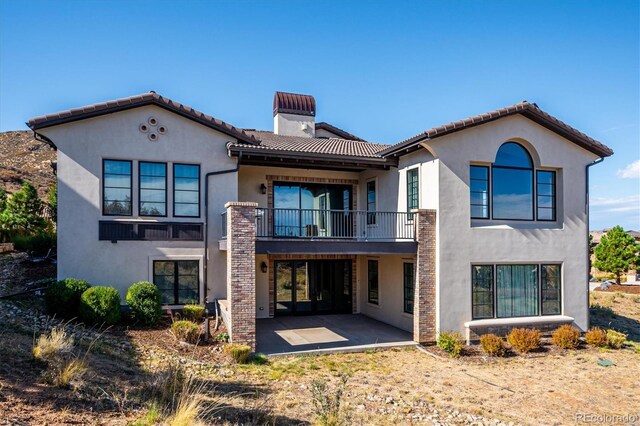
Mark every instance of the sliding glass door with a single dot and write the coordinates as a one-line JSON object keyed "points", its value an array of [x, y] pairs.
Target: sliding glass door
{"points": [[312, 287]]}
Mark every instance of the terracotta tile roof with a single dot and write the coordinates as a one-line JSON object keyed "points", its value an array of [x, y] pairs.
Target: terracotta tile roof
{"points": [[270, 141], [527, 109], [337, 131], [294, 103], [150, 98]]}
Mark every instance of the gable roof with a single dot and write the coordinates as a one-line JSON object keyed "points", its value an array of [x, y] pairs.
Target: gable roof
{"points": [[527, 109], [150, 98], [337, 131]]}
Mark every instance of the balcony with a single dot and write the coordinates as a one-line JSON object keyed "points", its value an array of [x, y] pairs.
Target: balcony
{"points": [[332, 231]]}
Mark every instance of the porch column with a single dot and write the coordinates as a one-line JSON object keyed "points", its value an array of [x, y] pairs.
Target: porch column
{"points": [[241, 272], [424, 305]]}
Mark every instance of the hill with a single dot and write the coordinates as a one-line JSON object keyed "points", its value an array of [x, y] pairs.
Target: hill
{"points": [[23, 158]]}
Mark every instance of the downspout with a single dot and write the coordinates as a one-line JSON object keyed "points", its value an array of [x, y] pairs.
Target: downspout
{"points": [[593, 163], [206, 234]]}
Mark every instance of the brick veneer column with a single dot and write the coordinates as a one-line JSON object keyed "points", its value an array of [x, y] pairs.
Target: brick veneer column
{"points": [[424, 305], [241, 272]]}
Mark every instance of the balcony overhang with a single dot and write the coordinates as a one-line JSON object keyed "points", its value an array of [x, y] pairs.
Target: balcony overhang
{"points": [[335, 247]]}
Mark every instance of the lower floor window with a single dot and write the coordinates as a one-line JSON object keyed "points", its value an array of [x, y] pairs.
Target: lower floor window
{"points": [[408, 287], [177, 281], [515, 290], [372, 281]]}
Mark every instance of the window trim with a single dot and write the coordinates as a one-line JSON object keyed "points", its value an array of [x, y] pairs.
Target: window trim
{"points": [[377, 301], [409, 208], [404, 287], [539, 266], [554, 197], [166, 189], [130, 186], [489, 192], [199, 189], [372, 217]]}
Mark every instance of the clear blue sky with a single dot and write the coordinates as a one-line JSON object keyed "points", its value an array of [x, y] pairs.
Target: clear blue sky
{"points": [[382, 70]]}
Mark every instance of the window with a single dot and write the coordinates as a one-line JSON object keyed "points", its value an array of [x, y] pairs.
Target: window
{"points": [[550, 284], [482, 288], [186, 190], [153, 189], [412, 191], [372, 281], [116, 188], [371, 202], [512, 183], [479, 186], [546, 193], [408, 287], [177, 281], [505, 291]]}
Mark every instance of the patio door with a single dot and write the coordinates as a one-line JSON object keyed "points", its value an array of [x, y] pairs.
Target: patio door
{"points": [[307, 287]]}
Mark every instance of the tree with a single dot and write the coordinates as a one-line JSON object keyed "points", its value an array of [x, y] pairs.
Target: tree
{"points": [[52, 201], [617, 252], [22, 213]]}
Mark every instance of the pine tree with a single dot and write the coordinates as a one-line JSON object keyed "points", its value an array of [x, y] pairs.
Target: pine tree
{"points": [[617, 252], [22, 214]]}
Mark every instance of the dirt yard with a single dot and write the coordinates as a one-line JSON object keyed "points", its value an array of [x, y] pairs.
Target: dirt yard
{"points": [[408, 386]]}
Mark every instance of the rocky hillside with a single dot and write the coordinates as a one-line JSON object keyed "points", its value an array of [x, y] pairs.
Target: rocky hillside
{"points": [[24, 158]]}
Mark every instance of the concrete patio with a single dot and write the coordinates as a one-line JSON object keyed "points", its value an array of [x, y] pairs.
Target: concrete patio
{"points": [[326, 334]]}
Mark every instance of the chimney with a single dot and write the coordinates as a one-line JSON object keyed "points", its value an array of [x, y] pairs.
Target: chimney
{"points": [[294, 115]]}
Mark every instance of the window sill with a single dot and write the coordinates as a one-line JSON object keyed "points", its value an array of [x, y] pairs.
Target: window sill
{"points": [[545, 319], [511, 224]]}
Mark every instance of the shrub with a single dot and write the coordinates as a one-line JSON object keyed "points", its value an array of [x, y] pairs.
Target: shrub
{"points": [[67, 374], [566, 337], [602, 311], [596, 336], [222, 337], [193, 312], [38, 244], [450, 342], [63, 297], [168, 382], [238, 353], [100, 305], [524, 339], [55, 344], [615, 339], [493, 345], [145, 302], [328, 405], [185, 331]]}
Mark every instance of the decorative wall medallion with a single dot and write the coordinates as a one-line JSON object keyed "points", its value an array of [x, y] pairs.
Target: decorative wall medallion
{"points": [[153, 128]]}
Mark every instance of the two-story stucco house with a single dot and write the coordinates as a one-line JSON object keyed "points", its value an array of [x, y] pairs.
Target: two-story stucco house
{"points": [[476, 225]]}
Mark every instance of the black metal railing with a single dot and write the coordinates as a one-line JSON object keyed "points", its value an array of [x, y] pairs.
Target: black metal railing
{"points": [[333, 224], [120, 230]]}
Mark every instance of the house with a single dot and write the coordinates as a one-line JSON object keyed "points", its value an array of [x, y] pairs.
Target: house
{"points": [[474, 226]]}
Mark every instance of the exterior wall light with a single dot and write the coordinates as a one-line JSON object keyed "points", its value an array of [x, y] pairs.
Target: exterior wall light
{"points": [[263, 188], [264, 268]]}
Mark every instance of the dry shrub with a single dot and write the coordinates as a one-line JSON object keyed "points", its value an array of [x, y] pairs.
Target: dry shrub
{"points": [[238, 353], [67, 374], [450, 342], [327, 404], [566, 337], [493, 345], [615, 339], [168, 383], [596, 336], [193, 313], [186, 331], [524, 340], [53, 345]]}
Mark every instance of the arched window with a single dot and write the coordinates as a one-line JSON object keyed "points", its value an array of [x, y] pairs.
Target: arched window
{"points": [[512, 183]]}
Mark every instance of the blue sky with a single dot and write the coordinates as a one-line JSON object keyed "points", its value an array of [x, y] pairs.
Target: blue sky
{"points": [[381, 70]]}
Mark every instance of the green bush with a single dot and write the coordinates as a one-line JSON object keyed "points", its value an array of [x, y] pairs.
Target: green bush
{"points": [[145, 302], [566, 337], [186, 331], [450, 342], [62, 298], [100, 305], [524, 339], [493, 345], [615, 339], [238, 353], [193, 313], [38, 244]]}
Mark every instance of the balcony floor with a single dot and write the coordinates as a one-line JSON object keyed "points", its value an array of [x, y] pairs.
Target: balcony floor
{"points": [[299, 335]]}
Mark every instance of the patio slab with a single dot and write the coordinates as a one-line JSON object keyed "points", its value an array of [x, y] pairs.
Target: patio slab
{"points": [[326, 334]]}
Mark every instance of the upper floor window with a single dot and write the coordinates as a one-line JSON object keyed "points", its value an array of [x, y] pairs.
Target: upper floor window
{"points": [[510, 190], [412, 191], [116, 187], [186, 190], [371, 202], [153, 189]]}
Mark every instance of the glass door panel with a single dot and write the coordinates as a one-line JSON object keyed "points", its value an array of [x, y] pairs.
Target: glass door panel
{"points": [[303, 293], [284, 287]]}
